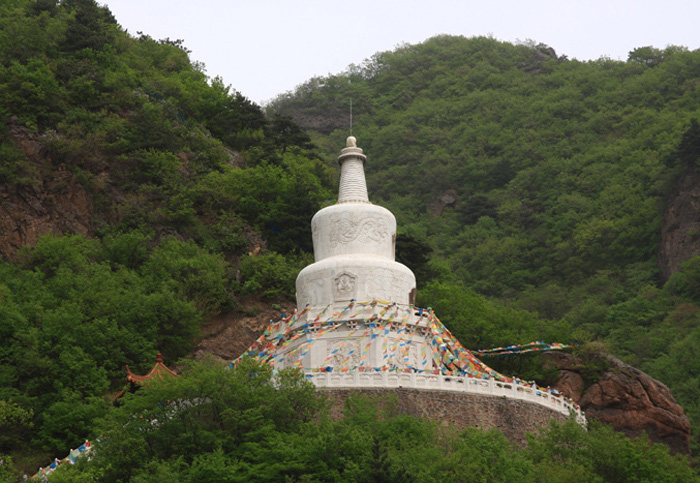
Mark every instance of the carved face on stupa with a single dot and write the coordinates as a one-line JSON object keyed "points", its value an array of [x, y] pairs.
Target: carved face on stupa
{"points": [[345, 286]]}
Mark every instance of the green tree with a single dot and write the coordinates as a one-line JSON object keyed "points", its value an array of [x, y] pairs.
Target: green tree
{"points": [[91, 26], [688, 152], [207, 412], [647, 56]]}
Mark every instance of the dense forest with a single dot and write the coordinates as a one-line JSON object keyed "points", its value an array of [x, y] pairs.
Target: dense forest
{"points": [[183, 177], [529, 188], [253, 430]]}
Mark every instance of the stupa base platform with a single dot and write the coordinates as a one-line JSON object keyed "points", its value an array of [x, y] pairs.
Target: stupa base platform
{"points": [[490, 388], [459, 410], [388, 345]]}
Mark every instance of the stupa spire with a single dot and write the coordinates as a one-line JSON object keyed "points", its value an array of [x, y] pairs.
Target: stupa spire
{"points": [[353, 186]]}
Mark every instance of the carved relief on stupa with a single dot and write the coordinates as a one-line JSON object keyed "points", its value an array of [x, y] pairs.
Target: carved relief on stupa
{"points": [[405, 354], [388, 285], [341, 354], [369, 229], [312, 292], [345, 286]]}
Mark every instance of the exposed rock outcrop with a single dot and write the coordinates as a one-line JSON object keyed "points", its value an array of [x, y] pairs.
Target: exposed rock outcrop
{"points": [[28, 213], [53, 203], [51, 199], [449, 198], [228, 335], [626, 398], [680, 228]]}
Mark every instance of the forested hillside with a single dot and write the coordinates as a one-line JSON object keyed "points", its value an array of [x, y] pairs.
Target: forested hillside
{"points": [[140, 200], [133, 190], [539, 182]]}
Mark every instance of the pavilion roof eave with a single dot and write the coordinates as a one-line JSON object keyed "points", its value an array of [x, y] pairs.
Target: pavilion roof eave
{"points": [[158, 370]]}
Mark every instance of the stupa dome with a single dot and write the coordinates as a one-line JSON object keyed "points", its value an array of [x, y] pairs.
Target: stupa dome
{"points": [[354, 246]]}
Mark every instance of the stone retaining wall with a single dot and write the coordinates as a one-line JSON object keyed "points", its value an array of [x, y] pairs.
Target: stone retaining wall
{"points": [[459, 410]]}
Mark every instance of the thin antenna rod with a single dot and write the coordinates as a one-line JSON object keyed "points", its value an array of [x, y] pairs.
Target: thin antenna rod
{"points": [[351, 117]]}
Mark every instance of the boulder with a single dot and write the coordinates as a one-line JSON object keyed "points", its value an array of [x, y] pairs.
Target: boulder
{"points": [[626, 398]]}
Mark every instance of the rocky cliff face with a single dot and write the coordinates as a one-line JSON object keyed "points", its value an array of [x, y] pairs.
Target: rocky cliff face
{"points": [[627, 398], [229, 334], [53, 203], [680, 228]]}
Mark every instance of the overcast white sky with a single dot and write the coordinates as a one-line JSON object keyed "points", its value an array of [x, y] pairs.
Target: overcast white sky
{"points": [[266, 47]]}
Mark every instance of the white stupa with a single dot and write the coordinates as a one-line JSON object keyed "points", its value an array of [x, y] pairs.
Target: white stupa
{"points": [[355, 302], [355, 308], [354, 246], [356, 325]]}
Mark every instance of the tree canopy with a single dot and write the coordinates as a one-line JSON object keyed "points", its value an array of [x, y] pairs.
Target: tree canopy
{"points": [[249, 425]]}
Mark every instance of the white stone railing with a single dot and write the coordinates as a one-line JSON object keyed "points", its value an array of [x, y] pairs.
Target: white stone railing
{"points": [[413, 380]]}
